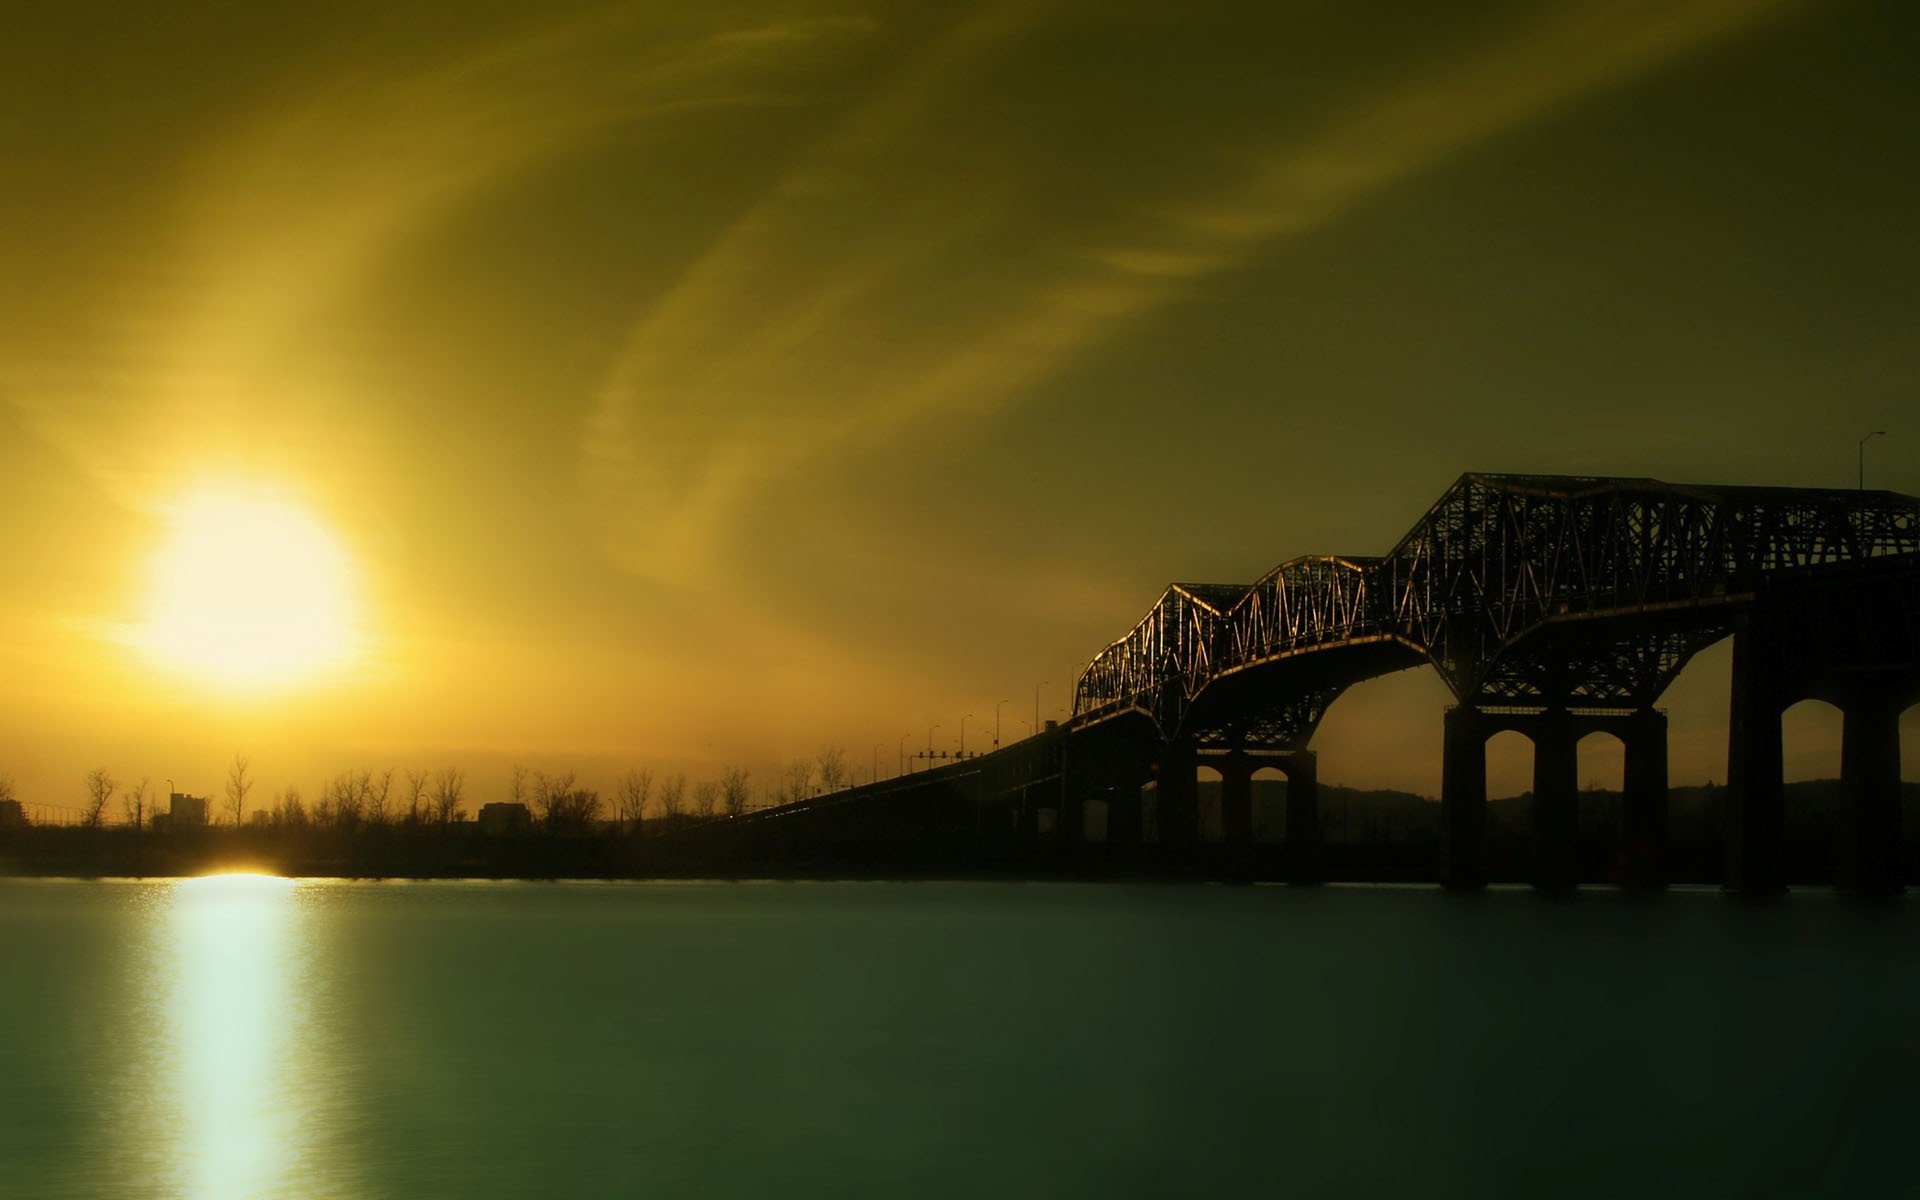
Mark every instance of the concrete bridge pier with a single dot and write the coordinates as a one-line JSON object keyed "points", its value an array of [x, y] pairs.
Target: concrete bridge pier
{"points": [[1556, 800], [1177, 795], [998, 824], [1236, 797], [1029, 815], [1303, 817], [1644, 804], [1756, 792], [1070, 819], [1463, 801], [1124, 824], [1871, 837]]}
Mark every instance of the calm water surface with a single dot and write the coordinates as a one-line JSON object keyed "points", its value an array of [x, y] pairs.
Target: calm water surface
{"points": [[236, 1038]]}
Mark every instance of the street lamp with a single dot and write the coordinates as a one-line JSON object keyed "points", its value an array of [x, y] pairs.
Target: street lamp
{"points": [[963, 734], [1036, 703], [1862, 448], [996, 723], [930, 730], [903, 755]]}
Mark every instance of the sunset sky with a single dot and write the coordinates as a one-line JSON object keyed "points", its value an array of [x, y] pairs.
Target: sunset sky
{"points": [[676, 384]]}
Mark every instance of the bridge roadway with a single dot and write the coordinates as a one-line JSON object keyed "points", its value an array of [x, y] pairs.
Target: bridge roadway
{"points": [[1556, 606]]}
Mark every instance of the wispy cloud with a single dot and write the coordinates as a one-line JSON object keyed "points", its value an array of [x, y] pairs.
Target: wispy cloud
{"points": [[853, 301], [304, 197]]}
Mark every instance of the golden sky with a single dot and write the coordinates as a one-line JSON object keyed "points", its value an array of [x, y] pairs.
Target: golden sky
{"points": [[688, 384]]}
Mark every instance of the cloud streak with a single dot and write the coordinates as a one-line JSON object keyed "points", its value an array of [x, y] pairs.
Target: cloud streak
{"points": [[280, 216], [808, 329]]}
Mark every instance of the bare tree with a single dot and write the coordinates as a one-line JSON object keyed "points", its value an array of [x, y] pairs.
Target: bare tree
{"points": [[564, 808], [100, 789], [376, 789], [706, 794], [345, 801], [133, 803], [416, 797], [239, 783], [799, 779], [546, 789], [734, 791], [517, 784], [289, 812], [6, 788], [449, 790], [635, 786], [833, 769], [673, 793]]}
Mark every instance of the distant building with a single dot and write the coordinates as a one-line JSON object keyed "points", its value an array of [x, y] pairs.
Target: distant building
{"points": [[12, 816], [184, 811], [496, 820]]}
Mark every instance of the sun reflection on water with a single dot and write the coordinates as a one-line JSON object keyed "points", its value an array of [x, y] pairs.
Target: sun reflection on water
{"points": [[234, 1036]]}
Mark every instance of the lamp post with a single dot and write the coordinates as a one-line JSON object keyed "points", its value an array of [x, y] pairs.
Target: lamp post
{"points": [[963, 734], [1036, 703], [930, 730], [903, 755], [1862, 448], [996, 723]]}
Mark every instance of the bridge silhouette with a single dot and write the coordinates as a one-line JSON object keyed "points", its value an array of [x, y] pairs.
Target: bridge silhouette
{"points": [[1552, 605]]}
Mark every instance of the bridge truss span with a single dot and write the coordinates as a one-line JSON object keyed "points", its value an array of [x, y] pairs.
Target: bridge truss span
{"points": [[1553, 607], [1519, 589]]}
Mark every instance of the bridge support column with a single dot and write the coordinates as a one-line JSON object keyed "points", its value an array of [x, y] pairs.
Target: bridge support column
{"points": [[1303, 817], [1236, 798], [1178, 797], [1123, 816], [1463, 801], [1644, 805], [1871, 837], [1070, 819], [1556, 800], [1029, 810], [1755, 791]]}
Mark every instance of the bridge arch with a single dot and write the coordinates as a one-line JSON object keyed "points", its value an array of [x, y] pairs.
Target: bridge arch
{"points": [[1209, 781], [1811, 731], [1269, 803], [1509, 755], [1602, 759]]}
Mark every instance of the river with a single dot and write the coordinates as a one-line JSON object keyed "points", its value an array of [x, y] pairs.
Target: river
{"points": [[231, 1038]]}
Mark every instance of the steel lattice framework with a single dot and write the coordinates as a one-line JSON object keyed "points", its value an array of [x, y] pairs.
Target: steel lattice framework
{"points": [[1518, 588]]}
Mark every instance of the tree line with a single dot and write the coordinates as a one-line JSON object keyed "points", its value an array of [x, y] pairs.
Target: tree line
{"points": [[363, 798]]}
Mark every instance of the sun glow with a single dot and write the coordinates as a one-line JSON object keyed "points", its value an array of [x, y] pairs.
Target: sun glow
{"points": [[249, 591]]}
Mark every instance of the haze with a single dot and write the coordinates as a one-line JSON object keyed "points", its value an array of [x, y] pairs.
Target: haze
{"points": [[708, 384]]}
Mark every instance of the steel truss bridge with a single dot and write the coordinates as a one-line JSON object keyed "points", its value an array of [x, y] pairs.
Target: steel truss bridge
{"points": [[1552, 605]]}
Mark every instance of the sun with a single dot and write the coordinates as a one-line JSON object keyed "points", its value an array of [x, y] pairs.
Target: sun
{"points": [[247, 590]]}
